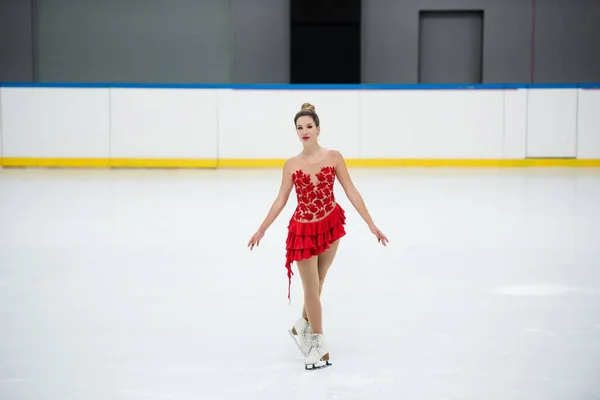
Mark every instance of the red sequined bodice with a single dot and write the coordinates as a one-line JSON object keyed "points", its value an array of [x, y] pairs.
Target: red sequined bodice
{"points": [[315, 199]]}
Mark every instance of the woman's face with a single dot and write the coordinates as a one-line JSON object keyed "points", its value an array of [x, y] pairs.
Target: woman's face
{"points": [[306, 129]]}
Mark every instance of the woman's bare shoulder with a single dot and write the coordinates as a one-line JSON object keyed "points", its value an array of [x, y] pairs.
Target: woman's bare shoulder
{"points": [[335, 156], [291, 164]]}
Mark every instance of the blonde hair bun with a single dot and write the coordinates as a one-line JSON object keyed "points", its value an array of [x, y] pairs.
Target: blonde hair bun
{"points": [[307, 107]]}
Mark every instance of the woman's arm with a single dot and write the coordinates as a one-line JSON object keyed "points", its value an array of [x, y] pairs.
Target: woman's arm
{"points": [[276, 207], [281, 199], [354, 196], [351, 191]]}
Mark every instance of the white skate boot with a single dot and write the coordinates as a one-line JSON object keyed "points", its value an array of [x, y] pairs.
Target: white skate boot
{"points": [[318, 353], [300, 333]]}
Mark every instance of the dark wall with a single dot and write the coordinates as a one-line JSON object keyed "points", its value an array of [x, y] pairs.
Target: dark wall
{"points": [[391, 33], [524, 41], [567, 41], [261, 41], [16, 52], [133, 40], [174, 41], [248, 41]]}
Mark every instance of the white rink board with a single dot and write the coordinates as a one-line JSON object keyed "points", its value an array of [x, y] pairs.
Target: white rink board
{"points": [[515, 124], [1, 154], [55, 122], [260, 124], [432, 124], [552, 123], [588, 124], [211, 124], [163, 123], [256, 124]]}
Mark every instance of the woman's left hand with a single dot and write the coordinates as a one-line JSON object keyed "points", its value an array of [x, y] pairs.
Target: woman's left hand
{"points": [[380, 236]]}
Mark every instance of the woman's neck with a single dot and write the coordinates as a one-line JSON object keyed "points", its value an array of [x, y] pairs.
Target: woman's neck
{"points": [[311, 150]]}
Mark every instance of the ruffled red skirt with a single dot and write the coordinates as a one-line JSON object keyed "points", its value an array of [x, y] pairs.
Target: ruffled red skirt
{"points": [[308, 239]]}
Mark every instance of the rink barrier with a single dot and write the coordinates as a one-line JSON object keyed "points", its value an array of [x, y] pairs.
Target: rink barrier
{"points": [[227, 99], [278, 163], [425, 163], [108, 163], [285, 86]]}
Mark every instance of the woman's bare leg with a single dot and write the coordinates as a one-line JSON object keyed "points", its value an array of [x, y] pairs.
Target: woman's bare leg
{"points": [[324, 261], [309, 273]]}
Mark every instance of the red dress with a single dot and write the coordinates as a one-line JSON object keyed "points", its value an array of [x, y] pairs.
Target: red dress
{"points": [[318, 220]]}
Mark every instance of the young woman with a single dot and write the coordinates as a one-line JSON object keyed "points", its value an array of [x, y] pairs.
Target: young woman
{"points": [[315, 228]]}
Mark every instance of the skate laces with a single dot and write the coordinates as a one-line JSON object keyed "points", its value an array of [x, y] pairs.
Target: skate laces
{"points": [[307, 330], [316, 344], [306, 337], [305, 334]]}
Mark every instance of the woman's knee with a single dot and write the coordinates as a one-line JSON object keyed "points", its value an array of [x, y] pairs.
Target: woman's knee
{"points": [[321, 282], [312, 292]]}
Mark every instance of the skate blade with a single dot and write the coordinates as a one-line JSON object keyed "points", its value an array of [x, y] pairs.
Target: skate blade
{"points": [[296, 341], [319, 365]]}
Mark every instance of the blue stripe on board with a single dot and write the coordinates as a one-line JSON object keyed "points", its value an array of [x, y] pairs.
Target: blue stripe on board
{"points": [[303, 86]]}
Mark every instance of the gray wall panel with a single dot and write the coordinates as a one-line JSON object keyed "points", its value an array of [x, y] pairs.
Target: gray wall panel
{"points": [[16, 51], [567, 41], [261, 41], [450, 47], [175, 41], [391, 37], [248, 41]]}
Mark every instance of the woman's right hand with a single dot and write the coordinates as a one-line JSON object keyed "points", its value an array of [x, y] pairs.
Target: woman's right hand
{"points": [[255, 239]]}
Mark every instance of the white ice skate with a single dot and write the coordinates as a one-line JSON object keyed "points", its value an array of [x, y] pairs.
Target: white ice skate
{"points": [[300, 333], [318, 353]]}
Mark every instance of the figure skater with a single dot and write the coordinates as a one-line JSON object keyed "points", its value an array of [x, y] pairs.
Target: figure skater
{"points": [[315, 229]]}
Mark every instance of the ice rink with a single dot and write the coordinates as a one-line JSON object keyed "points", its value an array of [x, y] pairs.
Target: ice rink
{"points": [[137, 284]]}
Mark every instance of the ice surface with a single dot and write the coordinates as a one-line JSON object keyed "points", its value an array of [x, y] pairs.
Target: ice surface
{"points": [[137, 284]]}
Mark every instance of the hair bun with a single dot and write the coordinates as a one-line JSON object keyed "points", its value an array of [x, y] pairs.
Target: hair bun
{"points": [[307, 107]]}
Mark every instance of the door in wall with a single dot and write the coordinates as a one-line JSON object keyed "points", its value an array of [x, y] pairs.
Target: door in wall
{"points": [[451, 47], [325, 54], [325, 41]]}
